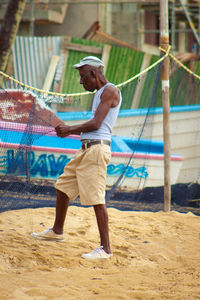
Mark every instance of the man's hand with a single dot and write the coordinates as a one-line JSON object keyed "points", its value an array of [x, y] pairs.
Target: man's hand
{"points": [[62, 130]]}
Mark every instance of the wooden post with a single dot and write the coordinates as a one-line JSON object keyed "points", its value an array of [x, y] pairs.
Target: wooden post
{"points": [[164, 42]]}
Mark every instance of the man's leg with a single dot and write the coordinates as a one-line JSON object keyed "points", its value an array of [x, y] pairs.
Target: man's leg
{"points": [[62, 203], [102, 221]]}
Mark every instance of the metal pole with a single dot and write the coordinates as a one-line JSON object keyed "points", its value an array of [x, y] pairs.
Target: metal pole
{"points": [[199, 25], [190, 22], [32, 18], [173, 26], [164, 41]]}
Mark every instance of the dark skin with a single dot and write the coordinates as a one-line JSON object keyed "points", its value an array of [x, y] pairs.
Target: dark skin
{"points": [[92, 79]]}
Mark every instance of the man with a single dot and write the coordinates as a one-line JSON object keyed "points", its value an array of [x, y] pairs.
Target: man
{"points": [[85, 175]]}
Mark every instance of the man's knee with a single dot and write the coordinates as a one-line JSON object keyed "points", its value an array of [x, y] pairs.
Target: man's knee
{"points": [[61, 195], [100, 208]]}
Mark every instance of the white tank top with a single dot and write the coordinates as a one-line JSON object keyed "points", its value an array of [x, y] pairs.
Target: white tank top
{"points": [[105, 131]]}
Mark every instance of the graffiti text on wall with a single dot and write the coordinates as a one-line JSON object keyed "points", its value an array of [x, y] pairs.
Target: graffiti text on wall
{"points": [[49, 166]]}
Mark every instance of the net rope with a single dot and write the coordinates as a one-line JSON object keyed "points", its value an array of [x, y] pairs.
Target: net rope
{"points": [[24, 176]]}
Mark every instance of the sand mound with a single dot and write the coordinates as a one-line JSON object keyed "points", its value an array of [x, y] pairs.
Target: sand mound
{"points": [[156, 256]]}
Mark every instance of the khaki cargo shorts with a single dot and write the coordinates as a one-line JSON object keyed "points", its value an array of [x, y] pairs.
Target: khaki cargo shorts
{"points": [[85, 175]]}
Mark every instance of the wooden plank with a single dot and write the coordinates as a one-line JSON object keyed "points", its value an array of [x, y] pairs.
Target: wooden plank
{"points": [[50, 74], [82, 48], [140, 85], [60, 72], [58, 15], [182, 37], [105, 56]]}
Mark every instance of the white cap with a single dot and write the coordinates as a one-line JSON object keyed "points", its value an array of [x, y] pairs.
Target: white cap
{"points": [[91, 61]]}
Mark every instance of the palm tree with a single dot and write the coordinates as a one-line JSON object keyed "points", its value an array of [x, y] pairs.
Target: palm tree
{"points": [[8, 30]]}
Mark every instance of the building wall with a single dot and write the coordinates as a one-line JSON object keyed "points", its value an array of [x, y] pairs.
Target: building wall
{"points": [[118, 20], [125, 22], [78, 19]]}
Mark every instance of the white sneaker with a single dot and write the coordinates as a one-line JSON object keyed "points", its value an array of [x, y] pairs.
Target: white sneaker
{"points": [[97, 253], [48, 234]]}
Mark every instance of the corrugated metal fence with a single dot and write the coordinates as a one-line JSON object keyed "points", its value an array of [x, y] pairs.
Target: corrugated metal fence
{"points": [[31, 58]]}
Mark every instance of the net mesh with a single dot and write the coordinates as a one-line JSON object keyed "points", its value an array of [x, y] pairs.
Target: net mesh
{"points": [[32, 156]]}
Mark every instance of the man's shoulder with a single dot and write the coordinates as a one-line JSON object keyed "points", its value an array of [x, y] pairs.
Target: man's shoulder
{"points": [[111, 94], [111, 88]]}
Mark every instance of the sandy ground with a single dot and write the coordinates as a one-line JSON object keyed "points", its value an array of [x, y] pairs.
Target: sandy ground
{"points": [[156, 256]]}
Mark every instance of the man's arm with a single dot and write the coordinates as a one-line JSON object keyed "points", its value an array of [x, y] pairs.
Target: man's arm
{"points": [[109, 99]]}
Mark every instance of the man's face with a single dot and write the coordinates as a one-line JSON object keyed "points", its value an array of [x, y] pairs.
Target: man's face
{"points": [[87, 78]]}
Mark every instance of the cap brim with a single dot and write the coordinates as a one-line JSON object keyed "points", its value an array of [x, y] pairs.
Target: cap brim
{"points": [[78, 66], [93, 64]]}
